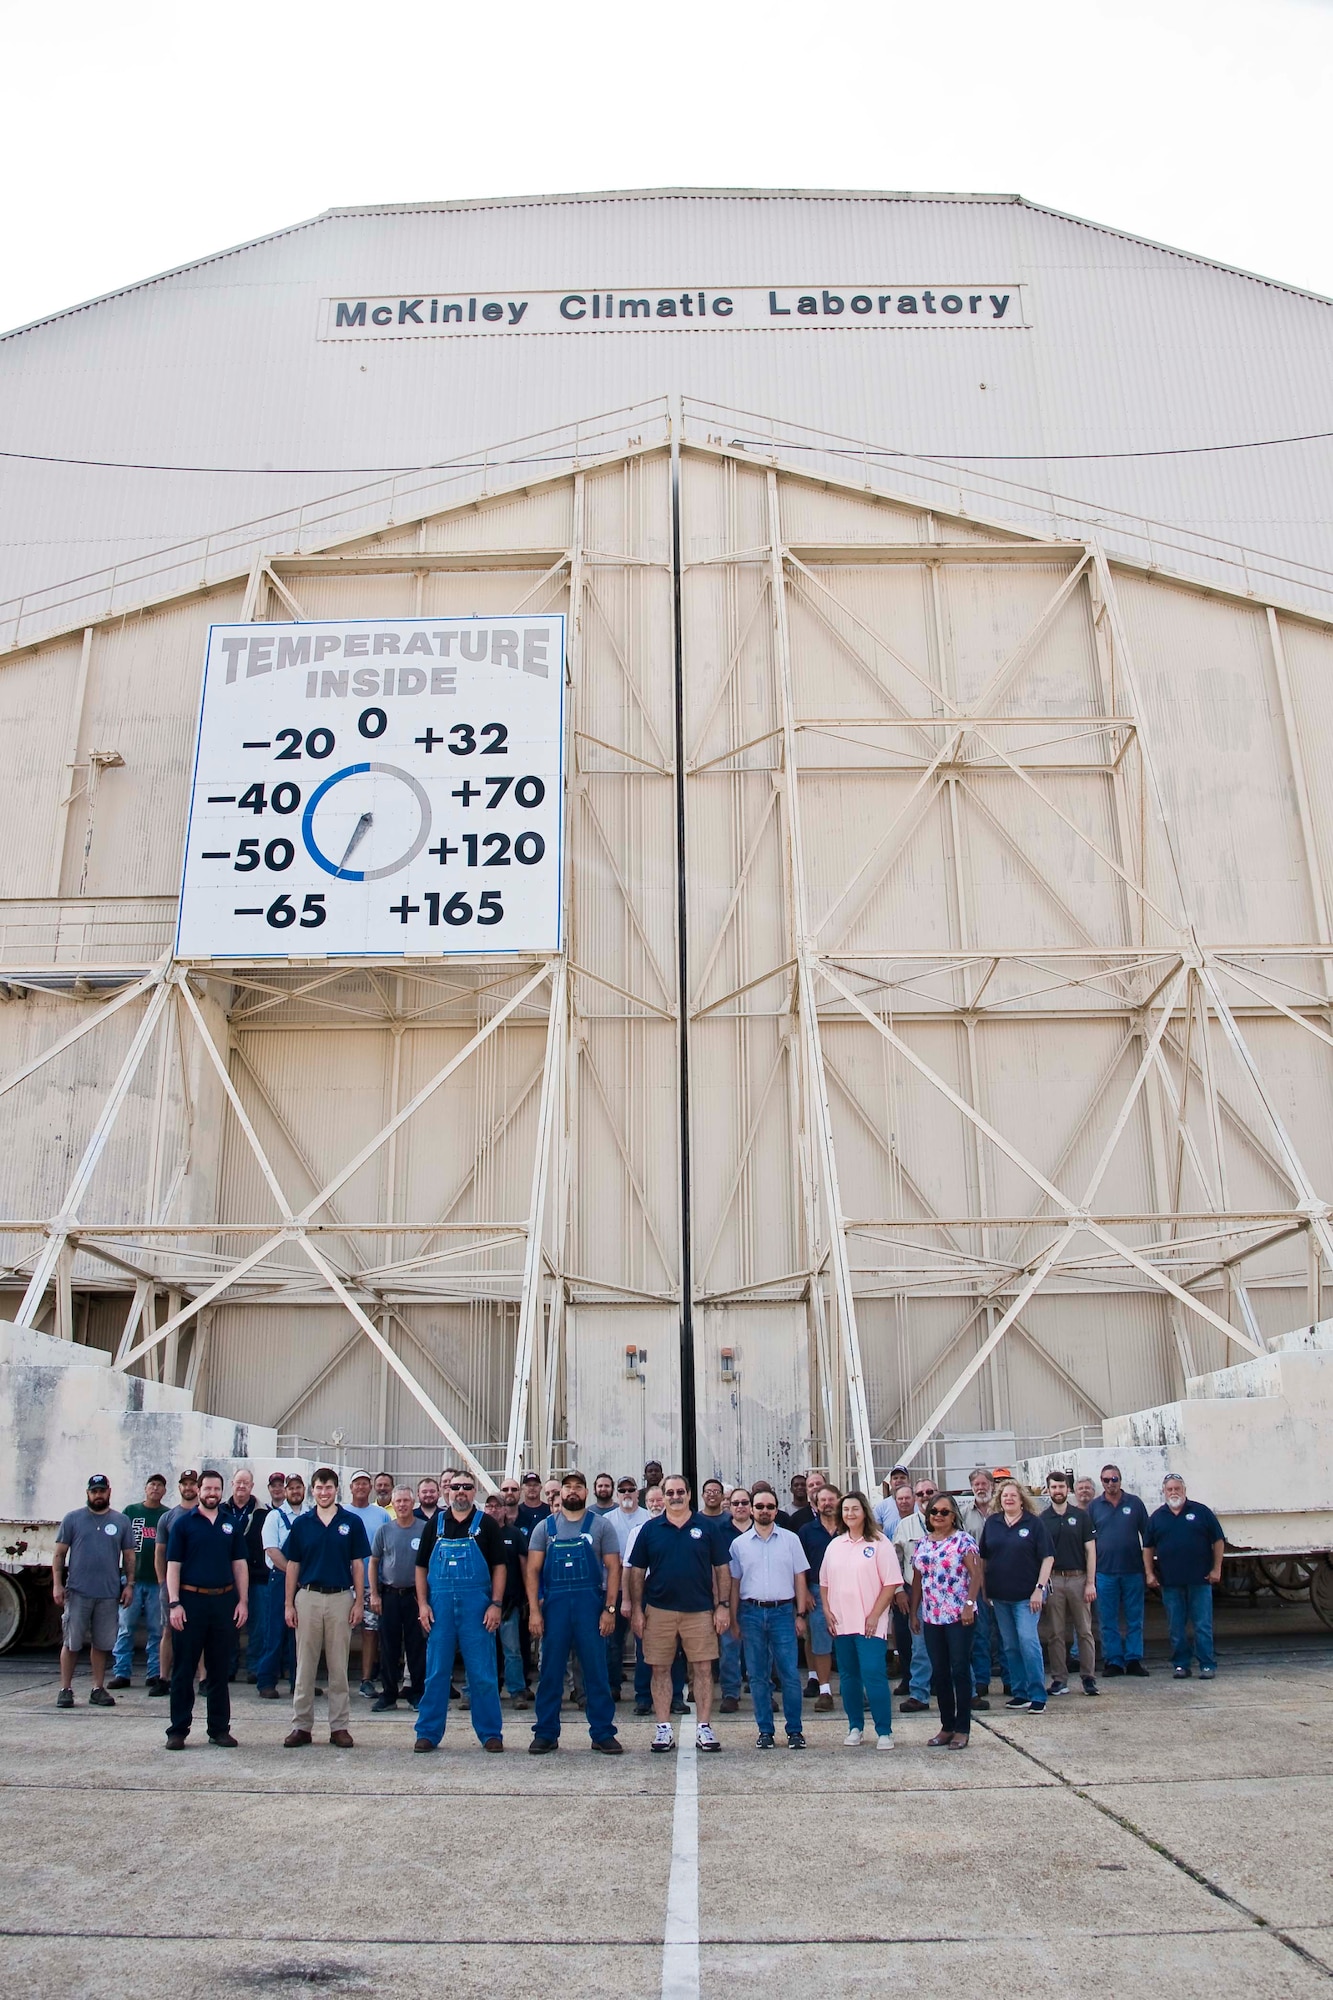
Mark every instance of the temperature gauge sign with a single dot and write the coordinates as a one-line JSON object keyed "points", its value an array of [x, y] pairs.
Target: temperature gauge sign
{"points": [[385, 788]]}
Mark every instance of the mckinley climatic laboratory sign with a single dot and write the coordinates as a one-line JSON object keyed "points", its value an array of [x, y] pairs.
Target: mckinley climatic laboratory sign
{"points": [[428, 315], [385, 786]]}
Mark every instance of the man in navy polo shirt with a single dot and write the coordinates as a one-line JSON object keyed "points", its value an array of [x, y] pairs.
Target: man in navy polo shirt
{"points": [[1182, 1551], [326, 1553], [208, 1588], [1121, 1523], [680, 1588]]}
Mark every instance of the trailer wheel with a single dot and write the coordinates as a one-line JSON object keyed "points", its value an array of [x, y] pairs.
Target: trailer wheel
{"points": [[1287, 1576], [12, 1611], [1321, 1588]]}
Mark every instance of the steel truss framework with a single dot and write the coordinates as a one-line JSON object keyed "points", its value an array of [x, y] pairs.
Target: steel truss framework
{"points": [[933, 832]]}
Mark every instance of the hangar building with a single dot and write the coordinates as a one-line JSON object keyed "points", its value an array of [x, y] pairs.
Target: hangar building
{"points": [[936, 1044]]}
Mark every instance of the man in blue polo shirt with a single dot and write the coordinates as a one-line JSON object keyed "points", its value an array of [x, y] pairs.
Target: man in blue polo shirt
{"points": [[1121, 1523], [680, 1589], [1182, 1551], [208, 1588], [326, 1553]]}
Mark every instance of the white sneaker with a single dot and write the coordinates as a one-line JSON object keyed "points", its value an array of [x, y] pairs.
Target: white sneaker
{"points": [[704, 1738], [853, 1739], [663, 1739], [884, 1742]]}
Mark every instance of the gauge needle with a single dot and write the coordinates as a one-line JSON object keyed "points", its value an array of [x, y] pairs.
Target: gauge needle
{"points": [[358, 833]]}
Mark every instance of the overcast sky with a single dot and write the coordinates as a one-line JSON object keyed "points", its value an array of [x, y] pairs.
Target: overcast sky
{"points": [[135, 138]]}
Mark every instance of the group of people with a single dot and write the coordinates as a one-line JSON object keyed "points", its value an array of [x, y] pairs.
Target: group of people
{"points": [[556, 1579]]}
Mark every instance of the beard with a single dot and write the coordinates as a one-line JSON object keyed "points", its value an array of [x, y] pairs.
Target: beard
{"points": [[99, 1502]]}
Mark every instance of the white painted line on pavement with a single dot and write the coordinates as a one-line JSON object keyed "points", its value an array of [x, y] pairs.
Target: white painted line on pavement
{"points": [[680, 1942]]}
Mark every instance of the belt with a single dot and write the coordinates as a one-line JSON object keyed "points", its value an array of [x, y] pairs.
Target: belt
{"points": [[405, 1589], [327, 1589], [205, 1590], [768, 1603], [1069, 1572]]}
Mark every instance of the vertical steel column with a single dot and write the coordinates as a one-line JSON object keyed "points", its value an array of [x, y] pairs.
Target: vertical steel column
{"points": [[530, 1307], [689, 1442], [816, 1082]]}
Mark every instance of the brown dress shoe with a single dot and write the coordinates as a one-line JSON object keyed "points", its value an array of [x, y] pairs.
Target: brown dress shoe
{"points": [[340, 1739], [730, 1705], [493, 1743], [824, 1704], [297, 1739]]}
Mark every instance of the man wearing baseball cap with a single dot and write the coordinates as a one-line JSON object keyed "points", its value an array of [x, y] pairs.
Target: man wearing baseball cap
{"points": [[91, 1586]]}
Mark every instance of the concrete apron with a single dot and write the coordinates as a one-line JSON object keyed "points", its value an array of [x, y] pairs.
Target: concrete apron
{"points": [[1151, 1829]]}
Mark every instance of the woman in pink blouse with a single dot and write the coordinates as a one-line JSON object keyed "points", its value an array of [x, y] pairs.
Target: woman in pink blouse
{"points": [[857, 1580], [946, 1583]]}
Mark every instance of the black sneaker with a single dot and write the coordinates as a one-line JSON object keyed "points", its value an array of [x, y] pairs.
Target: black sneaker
{"points": [[368, 1688], [795, 1740], [640, 1707], [1035, 1707], [1137, 1670], [1058, 1687], [384, 1702], [764, 1740], [65, 1699], [680, 1708], [99, 1698], [1017, 1701], [1181, 1674], [1089, 1685], [1110, 1670]]}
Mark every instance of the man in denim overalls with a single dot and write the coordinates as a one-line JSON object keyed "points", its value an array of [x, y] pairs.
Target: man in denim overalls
{"points": [[460, 1589], [575, 1557]]}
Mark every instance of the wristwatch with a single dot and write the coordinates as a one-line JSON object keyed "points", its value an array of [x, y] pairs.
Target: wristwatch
{"points": [[175, 1605]]}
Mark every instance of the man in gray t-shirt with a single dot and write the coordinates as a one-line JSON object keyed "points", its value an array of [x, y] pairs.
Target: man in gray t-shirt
{"points": [[393, 1599], [92, 1575], [574, 1562]]}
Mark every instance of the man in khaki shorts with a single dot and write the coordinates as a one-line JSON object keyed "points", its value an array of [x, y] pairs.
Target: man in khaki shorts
{"points": [[680, 1589]]}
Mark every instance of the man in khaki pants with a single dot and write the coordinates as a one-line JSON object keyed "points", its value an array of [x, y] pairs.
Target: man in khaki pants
{"points": [[1073, 1587], [326, 1553]]}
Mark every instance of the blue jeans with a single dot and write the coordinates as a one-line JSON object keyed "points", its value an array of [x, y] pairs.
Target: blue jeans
{"points": [[458, 1613], [571, 1618], [1117, 1594], [863, 1675], [643, 1676], [1022, 1648], [919, 1678], [983, 1632], [1190, 1604], [818, 1639], [511, 1646], [273, 1643], [146, 1603], [731, 1664], [770, 1641]]}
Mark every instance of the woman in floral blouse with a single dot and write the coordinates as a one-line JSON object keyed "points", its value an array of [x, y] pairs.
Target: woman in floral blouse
{"points": [[946, 1582]]}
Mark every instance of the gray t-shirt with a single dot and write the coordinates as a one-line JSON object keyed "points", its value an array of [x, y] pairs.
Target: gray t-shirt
{"points": [[395, 1553], [598, 1527], [94, 1542]]}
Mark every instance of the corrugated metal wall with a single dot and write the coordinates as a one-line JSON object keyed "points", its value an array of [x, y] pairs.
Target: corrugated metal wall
{"points": [[1007, 907]]}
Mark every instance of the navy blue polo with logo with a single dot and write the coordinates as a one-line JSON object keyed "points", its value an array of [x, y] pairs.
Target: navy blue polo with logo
{"points": [[325, 1554]]}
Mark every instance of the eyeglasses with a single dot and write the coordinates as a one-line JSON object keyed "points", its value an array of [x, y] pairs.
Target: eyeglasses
{"points": [[676, 1493]]}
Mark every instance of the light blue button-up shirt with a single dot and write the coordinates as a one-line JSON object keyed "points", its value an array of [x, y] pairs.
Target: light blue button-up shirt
{"points": [[768, 1565]]}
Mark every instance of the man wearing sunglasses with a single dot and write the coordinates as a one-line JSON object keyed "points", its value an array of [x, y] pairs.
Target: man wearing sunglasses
{"points": [[1120, 1522], [461, 1576], [680, 1588]]}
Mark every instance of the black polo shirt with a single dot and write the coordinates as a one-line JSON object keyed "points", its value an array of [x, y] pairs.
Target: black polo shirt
{"points": [[205, 1550], [1070, 1534], [325, 1554], [1013, 1556], [680, 1561]]}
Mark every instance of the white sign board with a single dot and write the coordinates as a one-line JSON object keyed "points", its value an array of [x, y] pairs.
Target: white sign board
{"points": [[377, 787]]}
